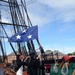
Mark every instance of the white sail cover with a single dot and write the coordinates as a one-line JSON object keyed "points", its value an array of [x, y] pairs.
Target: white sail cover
{"points": [[20, 71]]}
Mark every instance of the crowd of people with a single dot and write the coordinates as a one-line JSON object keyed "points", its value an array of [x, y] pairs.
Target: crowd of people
{"points": [[33, 65]]}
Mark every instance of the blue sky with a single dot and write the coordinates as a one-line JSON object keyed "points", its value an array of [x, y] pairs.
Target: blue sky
{"points": [[56, 21]]}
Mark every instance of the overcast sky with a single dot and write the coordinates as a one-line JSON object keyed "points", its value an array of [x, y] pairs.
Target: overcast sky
{"points": [[56, 21]]}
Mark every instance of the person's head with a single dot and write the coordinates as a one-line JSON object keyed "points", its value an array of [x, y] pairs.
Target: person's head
{"points": [[32, 54], [20, 56]]}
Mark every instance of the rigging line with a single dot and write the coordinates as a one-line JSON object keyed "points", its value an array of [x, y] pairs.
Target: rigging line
{"points": [[15, 20], [10, 42], [51, 41], [58, 28], [8, 15], [27, 3], [20, 15], [3, 23], [6, 11], [23, 12], [17, 15], [8, 37], [4, 46], [23, 16], [29, 23], [3, 41], [3, 5], [8, 2], [3, 37], [2, 33], [28, 43], [12, 14], [6, 5], [24, 5], [60, 35], [23, 19], [30, 2], [53, 47]]}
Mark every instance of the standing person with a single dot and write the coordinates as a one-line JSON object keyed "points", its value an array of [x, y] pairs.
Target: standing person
{"points": [[33, 65], [19, 65]]}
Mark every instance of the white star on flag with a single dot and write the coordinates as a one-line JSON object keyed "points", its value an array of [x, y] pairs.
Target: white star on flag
{"points": [[18, 37], [24, 31], [30, 36]]}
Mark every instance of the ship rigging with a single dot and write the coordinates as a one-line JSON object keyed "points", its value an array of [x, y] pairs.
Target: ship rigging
{"points": [[19, 20]]}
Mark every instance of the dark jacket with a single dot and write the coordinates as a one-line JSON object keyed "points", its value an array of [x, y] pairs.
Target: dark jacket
{"points": [[18, 63], [34, 66]]}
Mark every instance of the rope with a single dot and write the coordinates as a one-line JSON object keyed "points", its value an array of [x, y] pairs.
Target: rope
{"points": [[55, 68], [1, 33], [62, 70], [30, 2], [60, 35], [59, 29], [51, 41]]}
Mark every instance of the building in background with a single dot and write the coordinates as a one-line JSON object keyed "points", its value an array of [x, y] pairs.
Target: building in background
{"points": [[48, 54]]}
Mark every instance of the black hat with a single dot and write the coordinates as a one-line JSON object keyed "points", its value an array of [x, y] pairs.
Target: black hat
{"points": [[32, 53]]}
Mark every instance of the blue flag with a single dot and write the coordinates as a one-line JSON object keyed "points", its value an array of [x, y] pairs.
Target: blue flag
{"points": [[25, 35]]}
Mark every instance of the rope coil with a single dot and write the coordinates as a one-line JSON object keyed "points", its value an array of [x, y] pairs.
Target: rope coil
{"points": [[55, 69], [62, 70]]}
